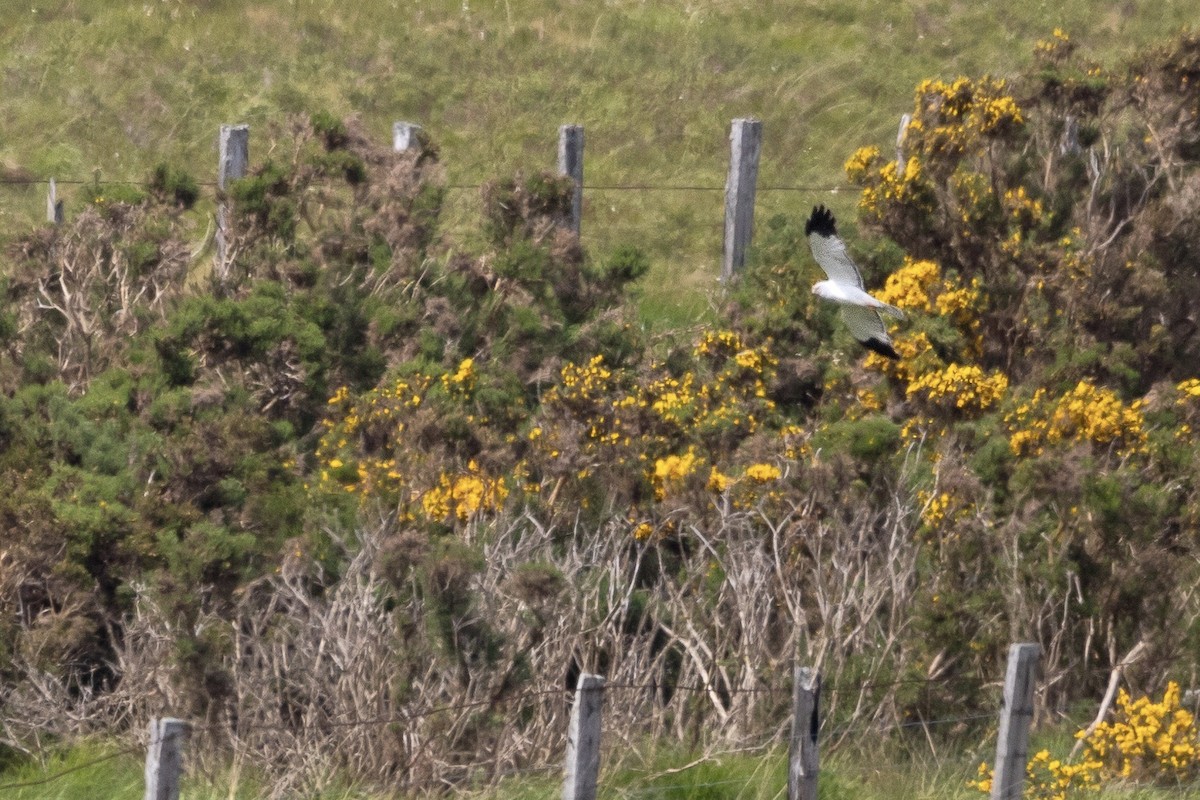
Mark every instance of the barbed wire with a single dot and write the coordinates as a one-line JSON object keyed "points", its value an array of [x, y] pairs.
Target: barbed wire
{"points": [[404, 716], [63, 773], [565, 693], [595, 187], [835, 733], [851, 727], [84, 182], [410, 716], [659, 788]]}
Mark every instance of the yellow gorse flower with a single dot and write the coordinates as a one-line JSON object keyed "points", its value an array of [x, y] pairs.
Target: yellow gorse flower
{"points": [[1145, 742], [718, 342], [911, 286], [671, 471], [462, 380], [957, 111], [1189, 389], [349, 419], [959, 303], [462, 496], [763, 473], [1023, 209], [1087, 413], [717, 481], [959, 386], [918, 285], [1149, 741], [862, 162], [584, 381]]}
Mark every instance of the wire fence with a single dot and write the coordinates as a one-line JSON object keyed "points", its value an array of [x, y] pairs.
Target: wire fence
{"points": [[56, 776], [957, 764], [837, 732], [543, 770], [740, 191], [959, 767], [468, 186], [615, 223]]}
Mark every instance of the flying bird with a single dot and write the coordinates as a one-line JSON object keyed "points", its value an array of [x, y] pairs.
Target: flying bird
{"points": [[860, 310]]}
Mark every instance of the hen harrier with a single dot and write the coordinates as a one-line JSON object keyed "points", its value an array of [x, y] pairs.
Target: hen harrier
{"points": [[845, 286]]}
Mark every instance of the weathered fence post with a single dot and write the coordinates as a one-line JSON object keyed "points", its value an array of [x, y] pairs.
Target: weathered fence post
{"points": [[583, 740], [234, 147], [1012, 748], [234, 159], [570, 164], [745, 145], [164, 759], [901, 135], [54, 206], [803, 763], [405, 136]]}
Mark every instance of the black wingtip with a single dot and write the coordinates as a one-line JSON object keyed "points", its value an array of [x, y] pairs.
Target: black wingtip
{"points": [[821, 222], [881, 347]]}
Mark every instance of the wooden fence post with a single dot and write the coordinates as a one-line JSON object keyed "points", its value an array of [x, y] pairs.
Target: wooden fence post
{"points": [[1012, 747], [54, 206], [745, 145], [405, 136], [583, 740], [233, 147], [901, 135], [803, 763], [570, 164], [164, 759]]}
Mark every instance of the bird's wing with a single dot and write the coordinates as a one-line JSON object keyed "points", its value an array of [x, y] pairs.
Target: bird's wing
{"points": [[867, 327], [829, 250]]}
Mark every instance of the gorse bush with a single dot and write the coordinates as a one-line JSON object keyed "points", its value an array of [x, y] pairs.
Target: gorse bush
{"points": [[167, 418], [1146, 742], [1039, 300]]}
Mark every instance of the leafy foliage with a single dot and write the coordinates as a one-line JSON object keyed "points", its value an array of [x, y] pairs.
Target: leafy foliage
{"points": [[1146, 742]]}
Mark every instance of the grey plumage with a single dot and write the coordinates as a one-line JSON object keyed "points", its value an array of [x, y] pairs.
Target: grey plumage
{"points": [[860, 311]]}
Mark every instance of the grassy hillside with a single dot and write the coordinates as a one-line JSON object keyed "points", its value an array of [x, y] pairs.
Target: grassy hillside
{"points": [[121, 86]]}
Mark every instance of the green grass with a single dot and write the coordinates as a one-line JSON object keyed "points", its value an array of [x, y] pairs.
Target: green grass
{"points": [[889, 771], [96, 769], [89, 770], [121, 86]]}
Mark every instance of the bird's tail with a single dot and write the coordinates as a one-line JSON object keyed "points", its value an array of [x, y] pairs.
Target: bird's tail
{"points": [[891, 310]]}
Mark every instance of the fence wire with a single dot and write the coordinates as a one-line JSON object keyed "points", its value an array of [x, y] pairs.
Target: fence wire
{"points": [[657, 787], [475, 185], [833, 734], [63, 773], [405, 717], [533, 694]]}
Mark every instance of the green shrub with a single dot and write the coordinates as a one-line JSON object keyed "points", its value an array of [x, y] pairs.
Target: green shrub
{"points": [[871, 439], [333, 132], [175, 185]]}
